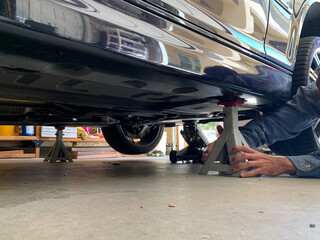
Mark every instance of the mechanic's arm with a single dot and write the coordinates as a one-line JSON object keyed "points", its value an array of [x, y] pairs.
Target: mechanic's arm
{"points": [[296, 115], [261, 163], [287, 122], [300, 166], [307, 165]]}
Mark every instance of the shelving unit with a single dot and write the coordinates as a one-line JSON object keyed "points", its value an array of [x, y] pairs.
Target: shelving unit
{"points": [[17, 138], [20, 154], [52, 139], [37, 141]]}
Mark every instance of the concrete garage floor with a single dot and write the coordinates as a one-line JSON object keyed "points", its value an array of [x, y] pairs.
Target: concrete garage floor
{"points": [[129, 198]]}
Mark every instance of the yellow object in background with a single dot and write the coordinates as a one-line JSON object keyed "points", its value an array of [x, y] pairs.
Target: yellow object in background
{"points": [[82, 133], [8, 130]]}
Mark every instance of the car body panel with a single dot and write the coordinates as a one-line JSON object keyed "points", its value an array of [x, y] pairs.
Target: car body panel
{"points": [[128, 58], [286, 22], [281, 35], [243, 22]]}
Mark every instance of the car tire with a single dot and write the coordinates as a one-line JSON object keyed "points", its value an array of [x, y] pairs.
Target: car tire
{"points": [[304, 72], [133, 140]]}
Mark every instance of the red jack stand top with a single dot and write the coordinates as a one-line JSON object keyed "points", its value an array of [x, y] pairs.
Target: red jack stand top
{"points": [[233, 103]]}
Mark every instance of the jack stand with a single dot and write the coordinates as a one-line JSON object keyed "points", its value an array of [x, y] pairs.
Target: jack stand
{"points": [[196, 141], [229, 138], [58, 152]]}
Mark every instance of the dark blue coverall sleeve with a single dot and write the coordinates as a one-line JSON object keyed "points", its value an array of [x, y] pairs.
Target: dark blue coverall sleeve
{"points": [[288, 121]]}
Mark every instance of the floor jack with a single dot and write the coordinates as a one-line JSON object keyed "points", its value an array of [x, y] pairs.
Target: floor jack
{"points": [[196, 141], [229, 138], [58, 152]]}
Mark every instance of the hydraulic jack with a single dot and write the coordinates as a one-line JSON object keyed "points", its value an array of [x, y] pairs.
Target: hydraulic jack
{"points": [[196, 141], [229, 138], [58, 152]]}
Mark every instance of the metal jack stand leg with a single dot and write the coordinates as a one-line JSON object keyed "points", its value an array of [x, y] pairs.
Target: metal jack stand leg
{"points": [[58, 152], [229, 138]]}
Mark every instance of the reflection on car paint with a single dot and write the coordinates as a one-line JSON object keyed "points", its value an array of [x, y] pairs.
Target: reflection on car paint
{"points": [[126, 29], [218, 17], [278, 36]]}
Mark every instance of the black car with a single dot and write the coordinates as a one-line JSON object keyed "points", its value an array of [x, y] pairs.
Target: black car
{"points": [[135, 66]]}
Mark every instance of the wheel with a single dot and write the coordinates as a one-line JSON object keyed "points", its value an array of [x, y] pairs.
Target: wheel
{"points": [[173, 156], [306, 63], [129, 139]]}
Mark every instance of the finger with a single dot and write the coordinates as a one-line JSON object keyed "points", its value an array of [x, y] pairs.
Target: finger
{"points": [[245, 165], [241, 157], [204, 156], [242, 148], [208, 151], [250, 173], [220, 129], [210, 147]]}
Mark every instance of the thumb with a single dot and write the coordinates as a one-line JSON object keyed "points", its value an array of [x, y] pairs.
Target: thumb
{"points": [[220, 129]]}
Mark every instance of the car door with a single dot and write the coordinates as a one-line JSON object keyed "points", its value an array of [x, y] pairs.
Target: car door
{"points": [[243, 22], [282, 33]]}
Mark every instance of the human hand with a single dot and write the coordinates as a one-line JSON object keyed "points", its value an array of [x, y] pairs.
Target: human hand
{"points": [[211, 145], [208, 151], [261, 163]]}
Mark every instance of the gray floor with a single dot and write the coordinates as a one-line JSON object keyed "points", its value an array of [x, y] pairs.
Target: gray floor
{"points": [[128, 199]]}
